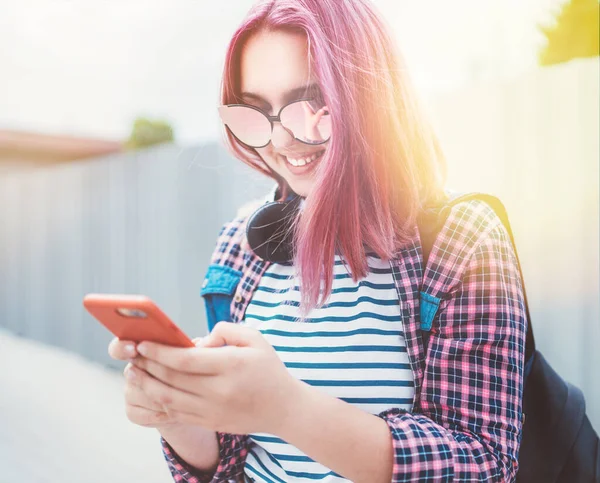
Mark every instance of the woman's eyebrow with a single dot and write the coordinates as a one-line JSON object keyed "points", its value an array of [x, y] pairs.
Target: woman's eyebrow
{"points": [[288, 96]]}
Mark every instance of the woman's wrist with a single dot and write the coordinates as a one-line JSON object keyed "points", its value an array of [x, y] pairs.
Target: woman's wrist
{"points": [[298, 399], [196, 446], [170, 429], [338, 435]]}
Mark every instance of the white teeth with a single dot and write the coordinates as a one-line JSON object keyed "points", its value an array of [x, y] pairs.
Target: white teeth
{"points": [[304, 161]]}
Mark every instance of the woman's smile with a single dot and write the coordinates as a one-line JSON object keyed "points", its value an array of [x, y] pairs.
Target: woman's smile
{"points": [[302, 164]]}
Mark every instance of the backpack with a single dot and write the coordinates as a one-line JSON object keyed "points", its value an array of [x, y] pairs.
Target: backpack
{"points": [[558, 441]]}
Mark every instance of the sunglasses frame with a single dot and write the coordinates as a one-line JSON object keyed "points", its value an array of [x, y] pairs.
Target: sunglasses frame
{"points": [[271, 120]]}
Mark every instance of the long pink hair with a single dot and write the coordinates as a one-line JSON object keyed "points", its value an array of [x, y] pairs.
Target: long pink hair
{"points": [[383, 163]]}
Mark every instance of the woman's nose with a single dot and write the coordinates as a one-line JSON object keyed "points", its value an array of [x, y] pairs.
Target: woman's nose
{"points": [[281, 137]]}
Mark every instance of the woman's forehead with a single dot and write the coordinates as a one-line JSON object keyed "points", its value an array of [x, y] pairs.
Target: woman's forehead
{"points": [[273, 64]]}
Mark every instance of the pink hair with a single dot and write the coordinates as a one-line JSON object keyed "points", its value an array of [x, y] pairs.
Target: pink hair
{"points": [[383, 162]]}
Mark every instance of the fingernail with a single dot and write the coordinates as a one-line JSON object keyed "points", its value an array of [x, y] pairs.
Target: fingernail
{"points": [[142, 349], [130, 349]]}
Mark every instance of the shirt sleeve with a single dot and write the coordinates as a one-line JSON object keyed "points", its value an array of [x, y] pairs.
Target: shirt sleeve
{"points": [[469, 422], [233, 450]]}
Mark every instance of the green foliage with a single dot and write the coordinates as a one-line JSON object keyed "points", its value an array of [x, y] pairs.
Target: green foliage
{"points": [[147, 132], [575, 33]]}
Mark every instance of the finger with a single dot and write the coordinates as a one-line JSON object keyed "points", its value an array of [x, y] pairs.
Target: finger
{"points": [[121, 349], [139, 362], [134, 393], [145, 417], [319, 114], [136, 397], [171, 377], [228, 333], [195, 360], [165, 396], [188, 418]]}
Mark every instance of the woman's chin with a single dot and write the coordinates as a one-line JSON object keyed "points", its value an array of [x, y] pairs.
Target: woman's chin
{"points": [[302, 187]]}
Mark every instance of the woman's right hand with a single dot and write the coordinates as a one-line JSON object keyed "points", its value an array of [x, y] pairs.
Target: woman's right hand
{"points": [[195, 445], [139, 408]]}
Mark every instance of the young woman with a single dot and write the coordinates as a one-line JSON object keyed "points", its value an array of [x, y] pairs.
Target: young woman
{"points": [[318, 371]]}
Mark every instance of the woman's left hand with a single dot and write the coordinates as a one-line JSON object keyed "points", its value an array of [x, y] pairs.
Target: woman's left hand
{"points": [[232, 382]]}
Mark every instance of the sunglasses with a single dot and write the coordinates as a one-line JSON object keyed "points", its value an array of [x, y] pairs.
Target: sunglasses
{"points": [[307, 120]]}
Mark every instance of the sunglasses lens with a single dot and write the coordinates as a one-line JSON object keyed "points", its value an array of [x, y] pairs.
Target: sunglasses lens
{"points": [[308, 121], [247, 124]]}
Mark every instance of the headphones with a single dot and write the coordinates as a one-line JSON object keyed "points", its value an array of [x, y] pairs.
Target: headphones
{"points": [[270, 229]]}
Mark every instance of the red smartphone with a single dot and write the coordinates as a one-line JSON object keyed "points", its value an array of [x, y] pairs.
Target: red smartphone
{"points": [[136, 318]]}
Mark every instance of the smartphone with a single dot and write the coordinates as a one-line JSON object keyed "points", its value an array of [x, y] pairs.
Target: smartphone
{"points": [[136, 318]]}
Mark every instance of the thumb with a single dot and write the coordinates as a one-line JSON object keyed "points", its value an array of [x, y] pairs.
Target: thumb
{"points": [[198, 341], [228, 333]]}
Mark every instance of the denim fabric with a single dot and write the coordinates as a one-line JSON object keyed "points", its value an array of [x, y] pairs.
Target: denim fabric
{"points": [[218, 289], [429, 306]]}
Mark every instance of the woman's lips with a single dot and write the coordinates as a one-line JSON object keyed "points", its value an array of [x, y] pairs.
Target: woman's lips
{"points": [[303, 164]]}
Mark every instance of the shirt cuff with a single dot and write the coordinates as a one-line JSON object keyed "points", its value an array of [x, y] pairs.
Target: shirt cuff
{"points": [[180, 470], [233, 450]]}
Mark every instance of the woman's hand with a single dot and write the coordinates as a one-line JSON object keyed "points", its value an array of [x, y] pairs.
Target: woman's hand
{"points": [[233, 381], [197, 446], [311, 121], [139, 408]]}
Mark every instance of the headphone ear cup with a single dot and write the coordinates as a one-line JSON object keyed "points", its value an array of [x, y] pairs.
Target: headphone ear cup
{"points": [[270, 231]]}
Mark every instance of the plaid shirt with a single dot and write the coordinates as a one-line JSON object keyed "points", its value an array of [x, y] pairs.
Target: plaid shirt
{"points": [[466, 420]]}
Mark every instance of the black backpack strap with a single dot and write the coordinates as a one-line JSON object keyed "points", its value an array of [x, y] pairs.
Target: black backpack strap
{"points": [[432, 221]]}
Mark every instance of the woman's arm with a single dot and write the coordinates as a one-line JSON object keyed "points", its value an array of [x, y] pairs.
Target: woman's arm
{"points": [[351, 442], [194, 445]]}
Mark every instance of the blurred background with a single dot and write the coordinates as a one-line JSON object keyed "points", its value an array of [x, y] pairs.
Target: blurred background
{"points": [[113, 178]]}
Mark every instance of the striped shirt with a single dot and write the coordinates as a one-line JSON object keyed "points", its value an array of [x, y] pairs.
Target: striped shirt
{"points": [[352, 348]]}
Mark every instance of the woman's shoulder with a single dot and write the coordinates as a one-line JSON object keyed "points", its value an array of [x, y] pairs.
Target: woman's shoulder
{"points": [[471, 224], [473, 244], [229, 249], [474, 217]]}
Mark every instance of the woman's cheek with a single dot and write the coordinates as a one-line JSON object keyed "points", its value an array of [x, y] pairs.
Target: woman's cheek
{"points": [[270, 160]]}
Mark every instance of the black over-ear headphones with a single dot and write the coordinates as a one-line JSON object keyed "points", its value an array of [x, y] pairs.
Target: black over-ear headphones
{"points": [[270, 230]]}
